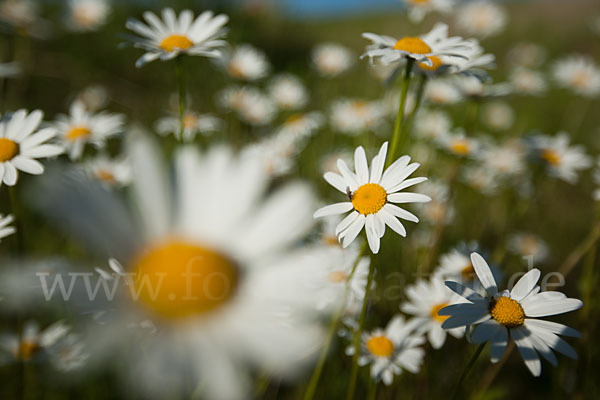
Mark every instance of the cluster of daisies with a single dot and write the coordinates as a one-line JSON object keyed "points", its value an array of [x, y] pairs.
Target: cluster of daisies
{"points": [[214, 271]]}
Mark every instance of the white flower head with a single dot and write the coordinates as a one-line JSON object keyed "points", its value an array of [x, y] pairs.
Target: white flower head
{"points": [[167, 38], [21, 144], [432, 124], [418, 9], [528, 81], [370, 197], [354, 117], [34, 341], [498, 314], [498, 115], [88, 15], [481, 18], [81, 127], [562, 160], [246, 62], [251, 105], [332, 59], [193, 124], [459, 144], [579, 74], [111, 172], [288, 92], [528, 245]]}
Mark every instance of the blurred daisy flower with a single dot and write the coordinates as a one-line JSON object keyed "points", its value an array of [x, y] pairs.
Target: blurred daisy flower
{"points": [[391, 350], [579, 74], [302, 125], [251, 105], [526, 55], [528, 245], [430, 50], [459, 144], [440, 209], [370, 197], [21, 144], [527, 81], [87, 15], [288, 92], [431, 124], [417, 9], [21, 14], [507, 159], [111, 172], [442, 92], [332, 59], [10, 70], [515, 312], [193, 124], [94, 97], [246, 62], [485, 180], [456, 266], [424, 300], [354, 117], [5, 228], [473, 87], [81, 127], [481, 18], [498, 115], [171, 36], [33, 343], [562, 160]]}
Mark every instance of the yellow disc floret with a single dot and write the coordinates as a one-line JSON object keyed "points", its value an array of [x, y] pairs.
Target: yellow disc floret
{"points": [[337, 276], [380, 346], [369, 198], [507, 312], [435, 313], [412, 44], [8, 149], [551, 157], [174, 42], [179, 279], [78, 132]]}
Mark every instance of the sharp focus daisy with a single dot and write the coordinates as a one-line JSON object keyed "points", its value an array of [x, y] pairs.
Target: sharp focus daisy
{"points": [[498, 315], [193, 124], [562, 160], [246, 62], [288, 92], [5, 228], [167, 38], [424, 300], [579, 74], [21, 144], [481, 18], [371, 194], [391, 350], [81, 127], [240, 305], [417, 9], [431, 50], [332, 59], [88, 15]]}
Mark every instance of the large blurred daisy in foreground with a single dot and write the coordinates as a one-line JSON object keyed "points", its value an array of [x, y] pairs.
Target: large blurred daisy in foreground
{"points": [[515, 312], [370, 197], [171, 36], [216, 271]]}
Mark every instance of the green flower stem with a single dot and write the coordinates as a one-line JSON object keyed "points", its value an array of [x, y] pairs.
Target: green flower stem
{"points": [[407, 126], [358, 333], [400, 116], [372, 393], [314, 380], [465, 372], [180, 77]]}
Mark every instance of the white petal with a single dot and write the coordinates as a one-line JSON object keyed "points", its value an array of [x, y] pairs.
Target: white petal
{"points": [[408, 198], [552, 307], [484, 274], [353, 230], [346, 222], [392, 222], [28, 165], [378, 163], [463, 291], [348, 175], [400, 212], [372, 235], [336, 181], [525, 284], [333, 209], [486, 331], [532, 361], [498, 345], [361, 166], [553, 327], [10, 174]]}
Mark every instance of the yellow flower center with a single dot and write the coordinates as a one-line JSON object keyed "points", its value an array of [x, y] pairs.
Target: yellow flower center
{"points": [[105, 176], [8, 149], [468, 273], [331, 240], [435, 310], [78, 132], [337, 276], [235, 69], [581, 79], [436, 63], [176, 41], [507, 312], [28, 349], [380, 346], [369, 198], [190, 121], [178, 279], [294, 118], [412, 44], [460, 147], [551, 157]]}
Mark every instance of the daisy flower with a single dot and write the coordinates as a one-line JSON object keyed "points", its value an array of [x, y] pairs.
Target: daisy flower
{"points": [[527, 81], [456, 266], [246, 62], [251, 105], [111, 172], [500, 314], [459, 144], [193, 124], [94, 97], [19, 13], [332, 59], [424, 300], [430, 50], [370, 197], [507, 159], [483, 179], [562, 160], [391, 350], [81, 127], [439, 210], [354, 117], [498, 115], [579, 74], [21, 144], [431, 124], [528, 245], [302, 125], [481, 18], [288, 92], [526, 55], [474, 88], [5, 229], [417, 9], [88, 15], [172, 36], [442, 92], [243, 306], [34, 341]]}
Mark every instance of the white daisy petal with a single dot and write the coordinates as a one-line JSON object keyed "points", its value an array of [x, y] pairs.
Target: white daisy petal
{"points": [[353, 230], [498, 344], [408, 198], [337, 181], [553, 307], [361, 166], [532, 361], [525, 284], [484, 274], [333, 209]]}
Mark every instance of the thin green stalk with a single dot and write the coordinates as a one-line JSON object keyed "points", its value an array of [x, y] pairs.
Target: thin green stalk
{"points": [[358, 333], [465, 372], [406, 127], [314, 380], [372, 393], [400, 116], [179, 75]]}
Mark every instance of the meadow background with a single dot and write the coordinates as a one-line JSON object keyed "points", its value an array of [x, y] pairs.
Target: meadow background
{"points": [[57, 67]]}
